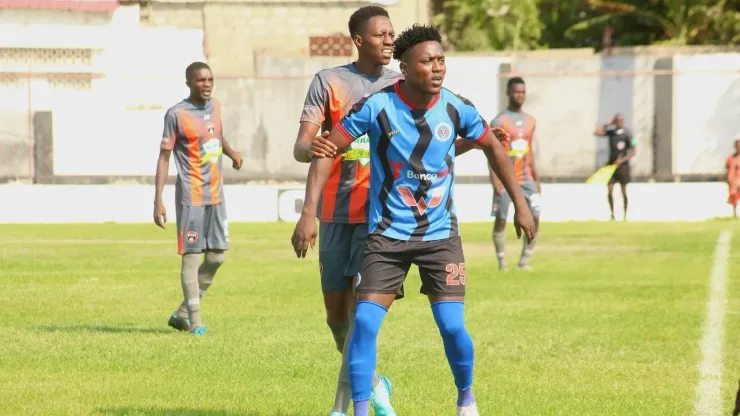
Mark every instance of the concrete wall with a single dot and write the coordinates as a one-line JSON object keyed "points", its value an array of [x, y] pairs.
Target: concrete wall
{"points": [[268, 28], [266, 203], [707, 116]]}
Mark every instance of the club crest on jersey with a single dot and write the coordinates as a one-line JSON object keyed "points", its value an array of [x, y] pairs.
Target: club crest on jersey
{"points": [[191, 237], [421, 205], [443, 132], [620, 145], [211, 128]]}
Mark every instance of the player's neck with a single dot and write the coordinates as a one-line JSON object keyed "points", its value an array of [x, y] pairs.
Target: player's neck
{"points": [[514, 109], [196, 100], [367, 68], [417, 98]]}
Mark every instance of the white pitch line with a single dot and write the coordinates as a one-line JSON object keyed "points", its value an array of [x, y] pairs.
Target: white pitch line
{"points": [[708, 391]]}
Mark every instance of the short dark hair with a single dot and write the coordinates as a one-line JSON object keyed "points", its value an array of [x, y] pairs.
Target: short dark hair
{"points": [[362, 15], [195, 66], [513, 81], [413, 36]]}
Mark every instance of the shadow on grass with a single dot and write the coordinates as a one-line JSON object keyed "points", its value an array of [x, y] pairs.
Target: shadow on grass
{"points": [[153, 411], [105, 329]]}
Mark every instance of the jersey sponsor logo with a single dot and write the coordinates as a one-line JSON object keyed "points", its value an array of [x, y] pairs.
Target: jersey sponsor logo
{"points": [[620, 145], [518, 148], [410, 174], [422, 205], [443, 132], [426, 176], [213, 150], [358, 151]]}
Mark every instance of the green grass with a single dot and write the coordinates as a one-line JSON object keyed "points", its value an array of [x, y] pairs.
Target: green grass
{"points": [[609, 323]]}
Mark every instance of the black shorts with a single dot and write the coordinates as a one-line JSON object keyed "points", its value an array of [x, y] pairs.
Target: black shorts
{"points": [[621, 175], [387, 261]]}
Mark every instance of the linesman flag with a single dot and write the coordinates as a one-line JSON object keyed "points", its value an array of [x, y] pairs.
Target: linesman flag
{"points": [[602, 175]]}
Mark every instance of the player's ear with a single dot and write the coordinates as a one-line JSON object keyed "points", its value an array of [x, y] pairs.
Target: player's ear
{"points": [[404, 68], [357, 40]]}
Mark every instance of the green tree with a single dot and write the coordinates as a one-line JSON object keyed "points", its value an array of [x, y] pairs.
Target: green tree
{"points": [[558, 15], [676, 22], [475, 25]]}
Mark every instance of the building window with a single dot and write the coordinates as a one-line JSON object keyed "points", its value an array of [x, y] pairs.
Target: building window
{"points": [[332, 45]]}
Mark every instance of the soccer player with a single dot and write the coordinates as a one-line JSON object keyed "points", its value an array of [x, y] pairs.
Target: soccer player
{"points": [[733, 178], [520, 127], [193, 130], [412, 127], [343, 208], [622, 147]]}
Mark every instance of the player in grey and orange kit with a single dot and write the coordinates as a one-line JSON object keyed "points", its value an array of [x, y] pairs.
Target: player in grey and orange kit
{"points": [[343, 208], [520, 127], [193, 132]]}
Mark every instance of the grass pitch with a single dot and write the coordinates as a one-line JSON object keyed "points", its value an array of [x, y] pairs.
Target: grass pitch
{"points": [[609, 322]]}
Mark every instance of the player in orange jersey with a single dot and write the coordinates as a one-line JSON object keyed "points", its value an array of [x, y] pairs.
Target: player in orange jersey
{"points": [[733, 178], [194, 134], [520, 127]]}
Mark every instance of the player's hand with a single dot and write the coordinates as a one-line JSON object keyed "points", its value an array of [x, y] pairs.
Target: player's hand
{"points": [[321, 147], [501, 134], [618, 162], [160, 214], [304, 235], [524, 223], [237, 161]]}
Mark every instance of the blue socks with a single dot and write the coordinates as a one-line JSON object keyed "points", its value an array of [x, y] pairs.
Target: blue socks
{"points": [[449, 316], [361, 408], [363, 346]]}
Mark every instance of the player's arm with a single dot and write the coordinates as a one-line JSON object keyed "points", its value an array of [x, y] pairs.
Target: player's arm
{"points": [[312, 117], [601, 131], [498, 187], [631, 151], [232, 154], [727, 170], [462, 146], [169, 135], [533, 164], [355, 124]]}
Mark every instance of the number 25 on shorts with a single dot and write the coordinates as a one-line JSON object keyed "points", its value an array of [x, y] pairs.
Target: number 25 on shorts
{"points": [[456, 274]]}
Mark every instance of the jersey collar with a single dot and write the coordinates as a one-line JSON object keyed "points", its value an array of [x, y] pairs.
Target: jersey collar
{"points": [[397, 88]]}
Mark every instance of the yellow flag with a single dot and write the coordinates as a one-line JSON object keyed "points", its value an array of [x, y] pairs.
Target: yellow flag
{"points": [[602, 175]]}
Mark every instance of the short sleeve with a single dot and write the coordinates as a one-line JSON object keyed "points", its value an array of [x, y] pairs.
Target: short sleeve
{"points": [[473, 126], [315, 103], [357, 121], [632, 140], [169, 133], [496, 122]]}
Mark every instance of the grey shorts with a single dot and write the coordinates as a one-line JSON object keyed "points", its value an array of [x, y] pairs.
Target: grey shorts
{"points": [[202, 228], [502, 202], [341, 252]]}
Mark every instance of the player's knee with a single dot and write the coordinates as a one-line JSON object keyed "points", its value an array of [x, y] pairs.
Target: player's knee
{"points": [[339, 331], [368, 318], [499, 226], [450, 319], [215, 258]]}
